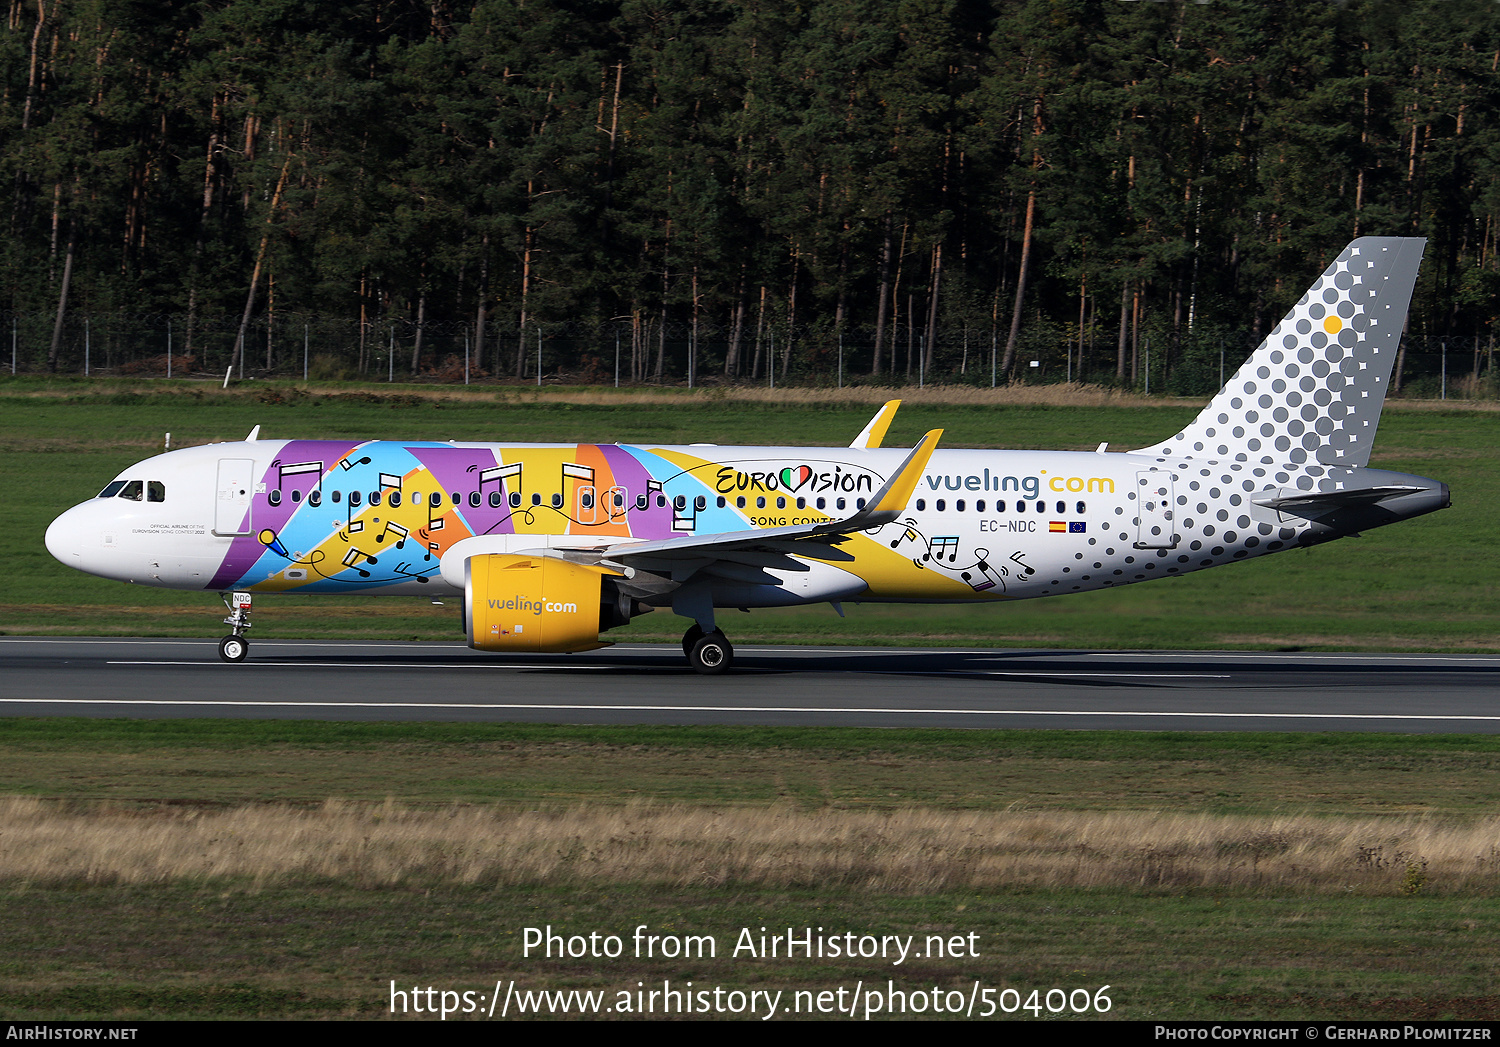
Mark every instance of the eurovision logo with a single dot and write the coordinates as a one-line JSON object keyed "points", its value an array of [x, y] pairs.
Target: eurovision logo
{"points": [[794, 479]]}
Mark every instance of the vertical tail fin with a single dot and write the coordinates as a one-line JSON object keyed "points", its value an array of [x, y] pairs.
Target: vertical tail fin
{"points": [[1313, 390]]}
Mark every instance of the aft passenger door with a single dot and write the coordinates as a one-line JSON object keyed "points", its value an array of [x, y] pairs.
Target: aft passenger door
{"points": [[1154, 509]]}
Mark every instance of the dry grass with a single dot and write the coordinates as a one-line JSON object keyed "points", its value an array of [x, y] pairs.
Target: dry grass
{"points": [[373, 846]]}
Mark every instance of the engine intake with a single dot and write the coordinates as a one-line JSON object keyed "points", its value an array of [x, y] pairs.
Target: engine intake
{"points": [[539, 603]]}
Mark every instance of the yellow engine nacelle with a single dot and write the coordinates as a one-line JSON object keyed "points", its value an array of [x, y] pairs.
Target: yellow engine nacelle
{"points": [[534, 603]]}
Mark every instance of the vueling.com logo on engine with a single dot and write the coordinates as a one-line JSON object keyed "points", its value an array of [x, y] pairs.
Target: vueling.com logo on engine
{"points": [[520, 603]]}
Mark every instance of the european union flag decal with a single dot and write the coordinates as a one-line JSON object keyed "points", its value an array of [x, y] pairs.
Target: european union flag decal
{"points": [[1077, 527]]}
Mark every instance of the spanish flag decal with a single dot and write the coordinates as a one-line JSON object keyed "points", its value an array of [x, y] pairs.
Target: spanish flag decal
{"points": [[1057, 527]]}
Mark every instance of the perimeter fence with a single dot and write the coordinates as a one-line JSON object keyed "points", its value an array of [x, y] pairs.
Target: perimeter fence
{"points": [[161, 345]]}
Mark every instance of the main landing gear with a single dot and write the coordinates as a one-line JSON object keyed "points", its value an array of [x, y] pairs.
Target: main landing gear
{"points": [[709, 653], [234, 647]]}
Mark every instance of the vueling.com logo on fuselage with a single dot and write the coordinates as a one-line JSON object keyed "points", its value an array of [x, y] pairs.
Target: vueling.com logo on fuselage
{"points": [[1030, 486], [520, 603]]}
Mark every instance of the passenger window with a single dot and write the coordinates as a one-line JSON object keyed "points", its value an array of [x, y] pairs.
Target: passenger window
{"points": [[114, 488], [296, 497], [722, 501], [642, 502], [661, 501], [700, 503], [760, 501], [620, 499], [1000, 506], [1020, 507], [338, 496], [979, 506], [1082, 508], [156, 491], [801, 503], [959, 505], [495, 500], [375, 497], [536, 499], [515, 499], [457, 498], [416, 498], [822, 503], [859, 503], [586, 500], [839, 503], [557, 501], [274, 498], [739, 503], [314, 498], [921, 504], [942, 505], [434, 500], [474, 499], [1062, 507], [355, 498], [780, 502], [679, 503]]}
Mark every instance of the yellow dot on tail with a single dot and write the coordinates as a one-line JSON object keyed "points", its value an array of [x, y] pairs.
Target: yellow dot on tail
{"points": [[1332, 324], [267, 536]]}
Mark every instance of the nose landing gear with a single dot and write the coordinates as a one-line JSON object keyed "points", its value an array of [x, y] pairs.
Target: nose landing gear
{"points": [[234, 647]]}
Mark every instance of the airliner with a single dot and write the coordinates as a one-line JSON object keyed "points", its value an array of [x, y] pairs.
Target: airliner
{"points": [[552, 545]]}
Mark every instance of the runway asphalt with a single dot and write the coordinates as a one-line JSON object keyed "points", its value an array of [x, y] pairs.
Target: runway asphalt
{"points": [[826, 686]]}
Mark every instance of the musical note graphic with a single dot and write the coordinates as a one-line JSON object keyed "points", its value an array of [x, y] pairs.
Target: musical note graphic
{"points": [[909, 536], [283, 471], [988, 577], [1016, 558], [499, 474], [573, 471], [396, 529], [946, 542], [349, 463], [354, 556], [391, 480]]}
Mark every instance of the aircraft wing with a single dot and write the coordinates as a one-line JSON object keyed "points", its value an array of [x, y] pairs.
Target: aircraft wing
{"points": [[682, 556]]}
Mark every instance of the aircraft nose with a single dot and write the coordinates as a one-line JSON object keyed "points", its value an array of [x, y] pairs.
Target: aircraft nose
{"points": [[65, 538]]}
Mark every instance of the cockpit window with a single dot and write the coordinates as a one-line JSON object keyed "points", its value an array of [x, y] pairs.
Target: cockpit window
{"points": [[156, 491], [113, 489], [132, 491]]}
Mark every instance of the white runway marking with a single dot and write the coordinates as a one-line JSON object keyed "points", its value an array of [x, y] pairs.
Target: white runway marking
{"points": [[493, 667], [522, 707]]}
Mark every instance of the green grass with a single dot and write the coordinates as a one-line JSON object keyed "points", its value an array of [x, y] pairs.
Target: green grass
{"points": [[227, 762], [1427, 584]]}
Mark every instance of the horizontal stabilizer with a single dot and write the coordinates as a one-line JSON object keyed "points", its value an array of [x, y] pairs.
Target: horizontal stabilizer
{"points": [[1318, 502]]}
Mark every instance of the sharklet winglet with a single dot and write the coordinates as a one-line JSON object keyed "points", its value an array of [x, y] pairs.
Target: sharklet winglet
{"points": [[871, 436]]}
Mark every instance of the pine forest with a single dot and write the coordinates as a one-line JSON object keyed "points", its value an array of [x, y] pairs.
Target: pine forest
{"points": [[705, 191]]}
